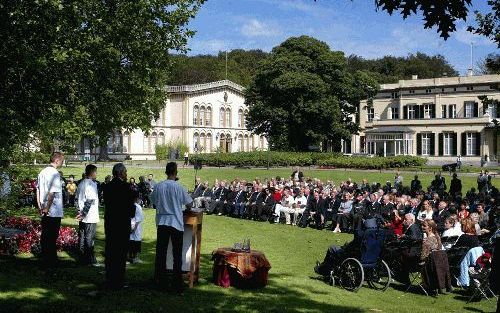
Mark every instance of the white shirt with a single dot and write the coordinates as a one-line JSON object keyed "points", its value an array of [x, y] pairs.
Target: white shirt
{"points": [[288, 201], [168, 198], [136, 221], [428, 215], [49, 181], [451, 232], [87, 190], [302, 200]]}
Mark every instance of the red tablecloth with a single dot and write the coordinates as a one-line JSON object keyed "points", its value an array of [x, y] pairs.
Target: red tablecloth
{"points": [[240, 269]]}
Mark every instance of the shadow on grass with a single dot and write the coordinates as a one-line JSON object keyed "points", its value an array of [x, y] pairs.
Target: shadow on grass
{"points": [[24, 287]]}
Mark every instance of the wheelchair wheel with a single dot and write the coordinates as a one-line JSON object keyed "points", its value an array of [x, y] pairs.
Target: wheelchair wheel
{"points": [[379, 277], [351, 274]]}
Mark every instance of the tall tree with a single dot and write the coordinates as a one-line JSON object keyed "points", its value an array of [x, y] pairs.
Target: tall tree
{"points": [[302, 95], [104, 62], [490, 64]]}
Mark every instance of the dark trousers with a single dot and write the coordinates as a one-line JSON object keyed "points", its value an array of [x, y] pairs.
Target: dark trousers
{"points": [[163, 234], [239, 209], [86, 237], [48, 240], [116, 256]]}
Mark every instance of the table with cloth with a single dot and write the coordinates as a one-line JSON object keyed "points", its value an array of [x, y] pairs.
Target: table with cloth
{"points": [[243, 269]]}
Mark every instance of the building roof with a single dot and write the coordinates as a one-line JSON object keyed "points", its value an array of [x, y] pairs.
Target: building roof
{"points": [[221, 84], [442, 82], [389, 129]]}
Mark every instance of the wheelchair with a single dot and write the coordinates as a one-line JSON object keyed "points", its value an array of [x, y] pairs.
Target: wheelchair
{"points": [[370, 267]]}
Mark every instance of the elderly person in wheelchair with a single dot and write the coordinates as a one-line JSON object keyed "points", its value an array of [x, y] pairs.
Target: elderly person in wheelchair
{"points": [[359, 260]]}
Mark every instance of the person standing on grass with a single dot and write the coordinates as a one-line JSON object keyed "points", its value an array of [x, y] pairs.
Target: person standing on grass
{"points": [[136, 231], [119, 209], [88, 215], [50, 203], [168, 198]]}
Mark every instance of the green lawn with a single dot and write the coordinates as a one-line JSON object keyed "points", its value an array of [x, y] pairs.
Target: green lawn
{"points": [[293, 286], [292, 252], [210, 174]]}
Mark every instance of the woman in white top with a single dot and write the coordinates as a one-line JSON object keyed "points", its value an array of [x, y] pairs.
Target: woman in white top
{"points": [[426, 212]]}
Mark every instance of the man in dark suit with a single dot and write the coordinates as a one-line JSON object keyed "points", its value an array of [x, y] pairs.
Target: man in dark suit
{"points": [[228, 206], [455, 186], [251, 205], [119, 209], [441, 215], [265, 208], [412, 231], [413, 236], [240, 202], [218, 198], [198, 188]]}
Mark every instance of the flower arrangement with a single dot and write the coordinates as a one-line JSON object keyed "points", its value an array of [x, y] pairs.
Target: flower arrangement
{"points": [[29, 241]]}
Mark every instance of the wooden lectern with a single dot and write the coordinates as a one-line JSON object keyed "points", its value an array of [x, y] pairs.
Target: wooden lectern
{"points": [[195, 221]]}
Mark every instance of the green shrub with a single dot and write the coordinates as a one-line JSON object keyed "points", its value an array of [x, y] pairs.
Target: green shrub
{"points": [[275, 158], [163, 151]]}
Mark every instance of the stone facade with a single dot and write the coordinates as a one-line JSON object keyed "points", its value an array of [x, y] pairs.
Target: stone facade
{"points": [[207, 117], [437, 118]]}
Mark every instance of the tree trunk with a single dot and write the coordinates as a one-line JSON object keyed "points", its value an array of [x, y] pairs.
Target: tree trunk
{"points": [[103, 149]]}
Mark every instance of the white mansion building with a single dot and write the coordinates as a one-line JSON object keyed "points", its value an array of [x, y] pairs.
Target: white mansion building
{"points": [[206, 117], [438, 118]]}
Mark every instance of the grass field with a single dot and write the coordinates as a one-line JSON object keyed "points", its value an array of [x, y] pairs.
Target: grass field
{"points": [[186, 175], [292, 252]]}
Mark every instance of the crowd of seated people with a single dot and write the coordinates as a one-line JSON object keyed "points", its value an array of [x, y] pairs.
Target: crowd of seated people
{"points": [[428, 217]]}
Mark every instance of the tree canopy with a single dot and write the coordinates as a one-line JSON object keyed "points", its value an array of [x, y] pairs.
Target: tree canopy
{"points": [[444, 15], [303, 95], [86, 67], [390, 69]]}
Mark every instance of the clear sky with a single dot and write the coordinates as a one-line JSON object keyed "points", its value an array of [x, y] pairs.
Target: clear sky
{"points": [[350, 26]]}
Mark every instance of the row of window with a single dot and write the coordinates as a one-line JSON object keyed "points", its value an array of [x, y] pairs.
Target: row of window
{"points": [[447, 144], [246, 143], [397, 94], [428, 110], [203, 117]]}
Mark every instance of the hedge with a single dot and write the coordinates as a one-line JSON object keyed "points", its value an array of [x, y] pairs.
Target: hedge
{"points": [[274, 158]]}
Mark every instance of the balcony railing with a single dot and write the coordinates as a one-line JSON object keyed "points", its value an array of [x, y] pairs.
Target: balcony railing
{"points": [[198, 87]]}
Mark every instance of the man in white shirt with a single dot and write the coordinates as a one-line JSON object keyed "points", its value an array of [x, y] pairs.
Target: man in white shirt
{"points": [[285, 206], [50, 203], [88, 215], [168, 198]]}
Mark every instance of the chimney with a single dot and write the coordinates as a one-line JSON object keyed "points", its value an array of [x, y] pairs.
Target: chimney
{"points": [[470, 72], [414, 77], [445, 74]]}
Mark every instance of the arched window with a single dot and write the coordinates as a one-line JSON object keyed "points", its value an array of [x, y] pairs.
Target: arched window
{"points": [[202, 115], [203, 143], [126, 142], [196, 113], [196, 142], [241, 144], [208, 117], [161, 140], [145, 144], [222, 116], [209, 143], [240, 118], [153, 141], [228, 117], [245, 115], [247, 143]]}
